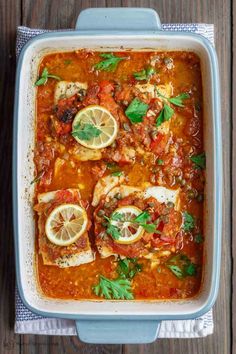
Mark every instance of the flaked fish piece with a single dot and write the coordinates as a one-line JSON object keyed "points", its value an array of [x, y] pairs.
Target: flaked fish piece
{"points": [[67, 89], [104, 185]]}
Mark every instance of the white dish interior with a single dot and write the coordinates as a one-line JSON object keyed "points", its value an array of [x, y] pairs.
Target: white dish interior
{"points": [[25, 174]]}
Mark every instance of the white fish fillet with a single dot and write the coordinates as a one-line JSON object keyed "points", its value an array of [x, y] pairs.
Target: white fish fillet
{"points": [[66, 89], [104, 185], [164, 195]]}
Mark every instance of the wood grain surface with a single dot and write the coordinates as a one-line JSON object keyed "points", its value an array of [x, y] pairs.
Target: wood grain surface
{"points": [[62, 14]]}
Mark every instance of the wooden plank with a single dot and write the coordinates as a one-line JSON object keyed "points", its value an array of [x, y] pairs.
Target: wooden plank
{"points": [[234, 177], [10, 17], [61, 14]]}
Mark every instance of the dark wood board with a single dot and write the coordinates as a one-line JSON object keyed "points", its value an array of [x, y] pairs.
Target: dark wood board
{"points": [[62, 14]]}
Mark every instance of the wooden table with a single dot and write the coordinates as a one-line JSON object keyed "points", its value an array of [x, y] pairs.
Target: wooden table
{"points": [[62, 14]]}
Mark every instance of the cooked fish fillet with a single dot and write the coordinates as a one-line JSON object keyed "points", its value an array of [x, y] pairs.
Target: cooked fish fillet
{"points": [[73, 255], [106, 247], [152, 90], [164, 195], [66, 89], [104, 185]]}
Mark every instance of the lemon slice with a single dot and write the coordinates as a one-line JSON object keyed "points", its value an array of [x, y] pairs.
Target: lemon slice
{"points": [[66, 224], [99, 125], [129, 230]]}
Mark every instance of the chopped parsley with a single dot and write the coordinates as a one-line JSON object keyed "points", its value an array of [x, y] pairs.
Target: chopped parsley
{"points": [[110, 63], [160, 162], [44, 78], [199, 160], [85, 131], [144, 74], [117, 173], [38, 177], [128, 267], [165, 114], [113, 231], [119, 289], [177, 100], [181, 266], [136, 111], [198, 238], [67, 61], [189, 222], [142, 219]]}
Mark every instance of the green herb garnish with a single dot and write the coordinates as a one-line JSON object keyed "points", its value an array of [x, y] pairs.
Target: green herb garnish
{"points": [[119, 289], [199, 160], [136, 111], [38, 177], [142, 219], [85, 131], [44, 78], [128, 267], [111, 165], [113, 231], [198, 238], [177, 101], [181, 266], [144, 74], [117, 173], [110, 63], [67, 61], [160, 162], [165, 114], [189, 222]]}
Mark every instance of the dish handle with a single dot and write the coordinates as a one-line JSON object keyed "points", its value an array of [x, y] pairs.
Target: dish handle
{"points": [[118, 331], [118, 19]]}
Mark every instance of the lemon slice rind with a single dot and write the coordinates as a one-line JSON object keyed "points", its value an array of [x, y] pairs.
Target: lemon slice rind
{"points": [[65, 224], [127, 237], [103, 120]]}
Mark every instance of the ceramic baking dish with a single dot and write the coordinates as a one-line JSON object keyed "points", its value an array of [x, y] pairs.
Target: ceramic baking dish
{"points": [[101, 30]]}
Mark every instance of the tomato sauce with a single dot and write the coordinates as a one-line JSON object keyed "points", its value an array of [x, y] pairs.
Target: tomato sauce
{"points": [[58, 168]]}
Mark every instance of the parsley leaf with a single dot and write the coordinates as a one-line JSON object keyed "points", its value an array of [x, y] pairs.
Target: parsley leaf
{"points": [[119, 289], [110, 63], [150, 228], [189, 221], [198, 238], [117, 216], [178, 100], [143, 217], [38, 177], [113, 231], [160, 162], [117, 173], [199, 160], [85, 131], [181, 266], [44, 78], [191, 269], [67, 61], [176, 270], [136, 111], [111, 165], [144, 74], [165, 114], [128, 267]]}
